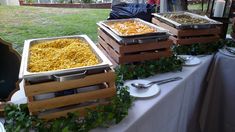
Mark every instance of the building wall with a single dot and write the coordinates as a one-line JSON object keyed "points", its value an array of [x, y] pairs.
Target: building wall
{"points": [[3, 2], [9, 2]]}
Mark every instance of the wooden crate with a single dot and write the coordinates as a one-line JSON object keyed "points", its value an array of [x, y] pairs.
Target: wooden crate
{"points": [[190, 36], [122, 54], [77, 102], [115, 64]]}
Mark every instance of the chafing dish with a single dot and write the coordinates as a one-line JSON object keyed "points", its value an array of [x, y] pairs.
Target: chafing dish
{"points": [[207, 22], [63, 74], [139, 39], [157, 30]]}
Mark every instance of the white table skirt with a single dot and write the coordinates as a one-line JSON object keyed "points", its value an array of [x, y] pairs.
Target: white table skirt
{"points": [[173, 110], [218, 111]]}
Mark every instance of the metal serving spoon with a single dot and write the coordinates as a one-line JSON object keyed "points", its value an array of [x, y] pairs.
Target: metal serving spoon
{"points": [[187, 58], [159, 82], [230, 50]]}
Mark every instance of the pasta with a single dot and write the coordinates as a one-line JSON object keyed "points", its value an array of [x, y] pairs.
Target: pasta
{"points": [[131, 28], [60, 54]]}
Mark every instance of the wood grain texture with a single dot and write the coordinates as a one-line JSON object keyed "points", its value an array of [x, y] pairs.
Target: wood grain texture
{"points": [[67, 100], [80, 110], [122, 54], [115, 64], [117, 47], [48, 87], [111, 52], [189, 41], [123, 49], [59, 106], [135, 57]]}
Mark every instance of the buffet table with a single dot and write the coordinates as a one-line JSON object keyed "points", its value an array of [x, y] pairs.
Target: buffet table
{"points": [[174, 109]]}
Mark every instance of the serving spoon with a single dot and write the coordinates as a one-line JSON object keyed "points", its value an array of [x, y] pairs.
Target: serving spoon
{"points": [[230, 50], [159, 82], [187, 58]]}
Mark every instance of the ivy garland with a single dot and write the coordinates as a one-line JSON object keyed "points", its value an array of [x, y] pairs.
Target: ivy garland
{"points": [[18, 118], [199, 49]]}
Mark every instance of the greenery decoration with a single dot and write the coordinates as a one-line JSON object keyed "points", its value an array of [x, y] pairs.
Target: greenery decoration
{"points": [[199, 49], [87, 1], [18, 117], [148, 68]]}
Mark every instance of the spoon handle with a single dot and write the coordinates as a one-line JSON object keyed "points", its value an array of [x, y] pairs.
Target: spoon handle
{"points": [[159, 82], [230, 50]]}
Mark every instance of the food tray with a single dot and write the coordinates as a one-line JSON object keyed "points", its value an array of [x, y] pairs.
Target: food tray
{"points": [[211, 23], [158, 30], [134, 39], [63, 74]]}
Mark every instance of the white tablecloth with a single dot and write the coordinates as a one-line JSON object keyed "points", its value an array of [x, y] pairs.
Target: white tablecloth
{"points": [[175, 109]]}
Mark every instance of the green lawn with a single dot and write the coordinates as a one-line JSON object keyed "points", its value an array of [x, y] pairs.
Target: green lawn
{"points": [[19, 23]]}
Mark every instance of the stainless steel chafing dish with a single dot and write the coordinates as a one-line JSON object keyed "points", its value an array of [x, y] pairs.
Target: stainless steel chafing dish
{"points": [[158, 30], [135, 39], [210, 23], [64, 74]]}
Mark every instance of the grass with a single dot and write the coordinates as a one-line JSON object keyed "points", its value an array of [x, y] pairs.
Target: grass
{"points": [[19, 23], [197, 7]]}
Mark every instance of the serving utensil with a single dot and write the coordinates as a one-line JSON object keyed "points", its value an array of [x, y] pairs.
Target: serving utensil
{"points": [[188, 58], [159, 82], [230, 50]]}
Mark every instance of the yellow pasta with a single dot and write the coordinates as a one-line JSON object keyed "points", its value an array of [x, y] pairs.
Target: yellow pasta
{"points": [[131, 28], [60, 54]]}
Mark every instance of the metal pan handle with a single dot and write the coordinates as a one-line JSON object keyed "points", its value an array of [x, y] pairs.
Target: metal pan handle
{"points": [[61, 78]]}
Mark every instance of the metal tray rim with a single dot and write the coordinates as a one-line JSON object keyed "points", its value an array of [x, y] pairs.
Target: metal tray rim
{"points": [[159, 15], [27, 75], [126, 40], [162, 30]]}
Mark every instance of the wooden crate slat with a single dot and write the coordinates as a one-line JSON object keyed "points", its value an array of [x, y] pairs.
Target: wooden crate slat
{"points": [[127, 58], [195, 40], [199, 32], [109, 49], [122, 49], [55, 86], [81, 110], [133, 52], [107, 55], [187, 32], [171, 29], [108, 39], [56, 102], [144, 56], [147, 46]]}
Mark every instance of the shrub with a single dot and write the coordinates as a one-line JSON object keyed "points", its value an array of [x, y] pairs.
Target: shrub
{"points": [[87, 1]]}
